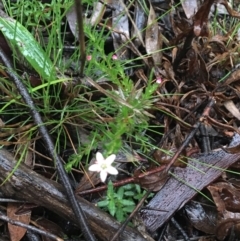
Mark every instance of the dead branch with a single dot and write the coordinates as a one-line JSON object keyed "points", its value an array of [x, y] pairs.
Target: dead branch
{"points": [[27, 185]]}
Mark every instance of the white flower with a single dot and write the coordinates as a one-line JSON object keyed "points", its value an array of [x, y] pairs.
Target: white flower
{"points": [[104, 166]]}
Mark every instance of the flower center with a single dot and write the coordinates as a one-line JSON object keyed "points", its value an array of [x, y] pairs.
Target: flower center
{"points": [[104, 166]]}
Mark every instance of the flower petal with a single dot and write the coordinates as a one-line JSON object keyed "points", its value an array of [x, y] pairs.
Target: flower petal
{"points": [[103, 176], [110, 159], [112, 170], [99, 157], [95, 168]]}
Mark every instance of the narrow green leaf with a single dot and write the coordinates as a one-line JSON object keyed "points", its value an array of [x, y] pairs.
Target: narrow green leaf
{"points": [[110, 191], [138, 188], [126, 202], [129, 194], [119, 215], [112, 207], [120, 193], [128, 186], [128, 209], [21, 38], [103, 203]]}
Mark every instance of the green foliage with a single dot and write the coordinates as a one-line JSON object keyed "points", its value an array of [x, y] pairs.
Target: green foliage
{"points": [[125, 106], [131, 120], [121, 202], [19, 37], [31, 11]]}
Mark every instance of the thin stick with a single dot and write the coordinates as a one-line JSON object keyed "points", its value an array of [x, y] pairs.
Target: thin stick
{"points": [[122, 182], [81, 35]]}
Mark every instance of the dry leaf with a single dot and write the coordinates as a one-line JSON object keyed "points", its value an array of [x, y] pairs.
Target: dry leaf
{"points": [[189, 7], [229, 9], [231, 107], [16, 232], [224, 227], [96, 17], [50, 227], [120, 25], [153, 38], [140, 20], [200, 27], [153, 182], [225, 196], [202, 217]]}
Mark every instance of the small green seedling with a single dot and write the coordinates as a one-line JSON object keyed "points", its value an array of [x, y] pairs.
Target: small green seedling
{"points": [[122, 202]]}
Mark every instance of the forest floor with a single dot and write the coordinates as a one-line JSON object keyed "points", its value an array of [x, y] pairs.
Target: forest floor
{"points": [[138, 101]]}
